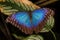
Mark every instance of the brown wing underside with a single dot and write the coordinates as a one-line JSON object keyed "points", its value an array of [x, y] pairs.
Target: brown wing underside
{"points": [[30, 30]]}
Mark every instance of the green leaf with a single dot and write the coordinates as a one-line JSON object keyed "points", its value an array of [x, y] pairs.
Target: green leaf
{"points": [[17, 6], [7, 10], [18, 37], [31, 37], [23, 5], [49, 25], [34, 37]]}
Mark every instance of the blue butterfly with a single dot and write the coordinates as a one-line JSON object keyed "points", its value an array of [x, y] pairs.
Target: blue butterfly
{"points": [[29, 22]]}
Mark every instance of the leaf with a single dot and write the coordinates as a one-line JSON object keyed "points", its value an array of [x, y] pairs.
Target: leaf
{"points": [[45, 2], [17, 37], [2, 0], [26, 5], [34, 37], [49, 25], [31, 37], [18, 5], [7, 10]]}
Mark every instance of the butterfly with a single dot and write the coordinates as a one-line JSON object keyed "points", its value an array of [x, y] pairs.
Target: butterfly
{"points": [[29, 22]]}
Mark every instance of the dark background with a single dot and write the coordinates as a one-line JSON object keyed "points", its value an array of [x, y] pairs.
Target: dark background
{"points": [[56, 7]]}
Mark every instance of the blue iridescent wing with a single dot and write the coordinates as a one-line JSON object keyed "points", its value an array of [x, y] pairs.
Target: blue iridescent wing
{"points": [[38, 16], [22, 21], [22, 18]]}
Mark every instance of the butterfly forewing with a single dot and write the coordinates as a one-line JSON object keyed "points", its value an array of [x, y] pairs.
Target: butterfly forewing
{"points": [[38, 16], [22, 18]]}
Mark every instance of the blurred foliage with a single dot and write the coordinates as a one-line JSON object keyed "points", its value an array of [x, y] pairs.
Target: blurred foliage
{"points": [[34, 37], [12, 6], [31, 37], [49, 25], [45, 2]]}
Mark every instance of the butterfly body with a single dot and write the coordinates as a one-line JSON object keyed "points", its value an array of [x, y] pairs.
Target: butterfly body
{"points": [[29, 22]]}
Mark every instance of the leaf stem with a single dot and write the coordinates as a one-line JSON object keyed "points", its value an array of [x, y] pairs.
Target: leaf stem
{"points": [[53, 34]]}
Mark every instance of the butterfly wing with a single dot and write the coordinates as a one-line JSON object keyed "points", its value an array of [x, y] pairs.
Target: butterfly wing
{"points": [[39, 18], [22, 21]]}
